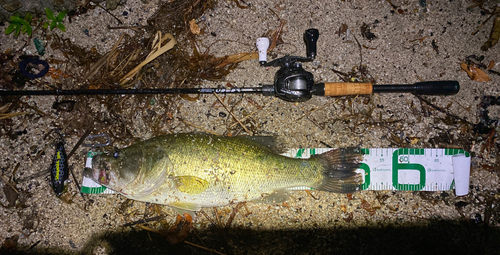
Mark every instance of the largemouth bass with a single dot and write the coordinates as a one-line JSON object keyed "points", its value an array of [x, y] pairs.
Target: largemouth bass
{"points": [[191, 171]]}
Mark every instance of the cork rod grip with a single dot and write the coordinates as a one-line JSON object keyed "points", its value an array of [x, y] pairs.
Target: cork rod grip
{"points": [[347, 88]]}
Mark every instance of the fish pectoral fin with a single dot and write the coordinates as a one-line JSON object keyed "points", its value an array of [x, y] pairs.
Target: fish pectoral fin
{"points": [[191, 184], [189, 208], [278, 196]]}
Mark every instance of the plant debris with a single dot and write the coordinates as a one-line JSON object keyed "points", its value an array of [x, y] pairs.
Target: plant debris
{"points": [[494, 36], [474, 72], [366, 33]]}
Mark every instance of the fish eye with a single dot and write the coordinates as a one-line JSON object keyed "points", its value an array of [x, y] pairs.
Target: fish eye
{"points": [[116, 153]]}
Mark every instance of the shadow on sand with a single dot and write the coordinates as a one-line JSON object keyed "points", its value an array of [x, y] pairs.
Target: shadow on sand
{"points": [[433, 237]]}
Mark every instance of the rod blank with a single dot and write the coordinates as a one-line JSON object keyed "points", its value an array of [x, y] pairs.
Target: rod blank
{"points": [[127, 91]]}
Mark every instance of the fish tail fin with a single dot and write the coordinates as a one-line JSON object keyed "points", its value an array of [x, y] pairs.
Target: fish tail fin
{"points": [[340, 174]]}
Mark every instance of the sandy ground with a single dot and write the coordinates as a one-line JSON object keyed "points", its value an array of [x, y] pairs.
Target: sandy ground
{"points": [[357, 223]]}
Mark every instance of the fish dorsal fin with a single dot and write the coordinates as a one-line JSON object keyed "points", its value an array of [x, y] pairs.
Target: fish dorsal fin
{"points": [[191, 184], [279, 196], [272, 142]]}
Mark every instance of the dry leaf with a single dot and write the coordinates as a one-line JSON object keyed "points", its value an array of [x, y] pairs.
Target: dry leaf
{"points": [[349, 217], [349, 197], [180, 230], [343, 208], [236, 58], [494, 36], [414, 141], [157, 50], [491, 65], [368, 207], [342, 29], [475, 73], [195, 29], [239, 57]]}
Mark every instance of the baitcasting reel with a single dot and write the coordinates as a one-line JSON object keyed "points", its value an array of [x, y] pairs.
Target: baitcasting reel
{"points": [[292, 82]]}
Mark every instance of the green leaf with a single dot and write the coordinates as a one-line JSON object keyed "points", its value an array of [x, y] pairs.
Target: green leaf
{"points": [[28, 17], [46, 25], [14, 19], [18, 29], [50, 14], [29, 31], [10, 28], [53, 24], [24, 29], [61, 26], [61, 16]]}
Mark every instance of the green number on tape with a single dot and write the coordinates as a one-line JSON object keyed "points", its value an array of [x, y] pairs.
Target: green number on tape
{"points": [[396, 166]]}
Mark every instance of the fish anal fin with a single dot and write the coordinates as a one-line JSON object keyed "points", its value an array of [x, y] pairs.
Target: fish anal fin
{"points": [[278, 196], [189, 208]]}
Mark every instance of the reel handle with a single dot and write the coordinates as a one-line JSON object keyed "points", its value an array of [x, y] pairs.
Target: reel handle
{"points": [[311, 39]]}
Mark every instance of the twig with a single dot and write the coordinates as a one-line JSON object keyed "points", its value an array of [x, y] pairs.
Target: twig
{"points": [[360, 54], [442, 110], [135, 28], [143, 221], [310, 194], [198, 127], [119, 21], [482, 24], [149, 229], [76, 182], [204, 248], [114, 49], [79, 143], [210, 219], [230, 112], [34, 108], [105, 59], [248, 116], [157, 51], [10, 115], [317, 109], [233, 214], [10, 184]]}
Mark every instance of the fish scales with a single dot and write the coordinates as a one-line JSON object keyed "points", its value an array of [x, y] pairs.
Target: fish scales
{"points": [[190, 171], [237, 169]]}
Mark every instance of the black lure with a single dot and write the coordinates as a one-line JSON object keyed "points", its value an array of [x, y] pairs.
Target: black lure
{"points": [[59, 171]]}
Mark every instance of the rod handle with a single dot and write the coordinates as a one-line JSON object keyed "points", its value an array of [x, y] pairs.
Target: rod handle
{"points": [[437, 88], [421, 88], [345, 88]]}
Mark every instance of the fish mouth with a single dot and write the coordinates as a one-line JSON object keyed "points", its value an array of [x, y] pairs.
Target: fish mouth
{"points": [[100, 171], [93, 174]]}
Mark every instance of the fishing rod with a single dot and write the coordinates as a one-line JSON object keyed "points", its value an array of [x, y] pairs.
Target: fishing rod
{"points": [[291, 83]]}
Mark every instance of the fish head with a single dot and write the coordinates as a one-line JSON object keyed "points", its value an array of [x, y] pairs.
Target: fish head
{"points": [[134, 171], [107, 171]]}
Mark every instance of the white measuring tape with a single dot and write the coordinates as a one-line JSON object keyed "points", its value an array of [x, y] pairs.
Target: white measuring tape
{"points": [[384, 169], [409, 169]]}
